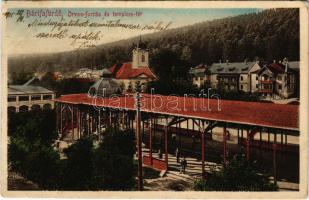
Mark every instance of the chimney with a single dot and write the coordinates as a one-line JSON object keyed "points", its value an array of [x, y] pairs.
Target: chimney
{"points": [[274, 61], [285, 60], [227, 62], [220, 61], [246, 61]]}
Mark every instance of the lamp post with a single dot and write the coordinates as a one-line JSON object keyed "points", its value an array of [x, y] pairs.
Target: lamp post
{"points": [[139, 142]]}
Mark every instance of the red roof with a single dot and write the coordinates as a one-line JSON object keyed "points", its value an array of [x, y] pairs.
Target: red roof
{"points": [[125, 71], [253, 113], [276, 68]]}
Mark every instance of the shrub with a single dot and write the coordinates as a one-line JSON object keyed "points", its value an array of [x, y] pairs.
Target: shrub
{"points": [[237, 175]]}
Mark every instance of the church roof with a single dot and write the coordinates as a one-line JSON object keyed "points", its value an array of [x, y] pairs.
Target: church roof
{"points": [[231, 68], [104, 87], [125, 71]]}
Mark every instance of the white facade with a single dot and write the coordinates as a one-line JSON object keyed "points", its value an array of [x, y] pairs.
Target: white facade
{"points": [[253, 77], [22, 98], [199, 80], [214, 80], [89, 73], [27, 102], [127, 83], [244, 82], [140, 58], [254, 82]]}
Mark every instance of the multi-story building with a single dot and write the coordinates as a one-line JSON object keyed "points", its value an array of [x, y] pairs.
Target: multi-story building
{"points": [[253, 77], [279, 79], [92, 74], [22, 98], [232, 76], [200, 75], [228, 76]]}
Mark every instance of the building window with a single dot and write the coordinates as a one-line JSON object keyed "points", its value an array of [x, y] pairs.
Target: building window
{"points": [[196, 78], [280, 87], [241, 78], [241, 87], [257, 86], [143, 58], [279, 78], [23, 98], [256, 78], [47, 97], [35, 107], [11, 98], [47, 107], [11, 109], [35, 97]]}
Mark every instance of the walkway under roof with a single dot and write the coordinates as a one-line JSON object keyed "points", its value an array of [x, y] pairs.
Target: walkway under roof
{"points": [[269, 115]]}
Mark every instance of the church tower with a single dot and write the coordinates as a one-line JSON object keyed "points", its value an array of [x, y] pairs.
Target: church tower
{"points": [[140, 55]]}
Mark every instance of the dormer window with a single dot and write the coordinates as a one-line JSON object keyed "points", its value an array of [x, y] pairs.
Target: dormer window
{"points": [[143, 58]]}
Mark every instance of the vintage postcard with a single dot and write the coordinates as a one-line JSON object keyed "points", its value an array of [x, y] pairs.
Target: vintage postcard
{"points": [[154, 99]]}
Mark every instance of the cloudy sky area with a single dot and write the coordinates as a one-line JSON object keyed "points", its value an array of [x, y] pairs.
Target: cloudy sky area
{"points": [[21, 38]]}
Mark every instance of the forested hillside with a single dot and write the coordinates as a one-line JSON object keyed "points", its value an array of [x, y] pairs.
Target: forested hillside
{"points": [[270, 34]]}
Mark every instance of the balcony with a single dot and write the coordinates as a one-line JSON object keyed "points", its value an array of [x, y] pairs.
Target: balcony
{"points": [[266, 82], [265, 90]]}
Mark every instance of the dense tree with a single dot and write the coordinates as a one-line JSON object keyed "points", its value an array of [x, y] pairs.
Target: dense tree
{"points": [[20, 78], [84, 167], [237, 175], [114, 160], [41, 165], [77, 169], [33, 126], [138, 86], [269, 34]]}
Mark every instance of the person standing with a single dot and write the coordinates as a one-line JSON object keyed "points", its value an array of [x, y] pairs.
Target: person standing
{"points": [[160, 154], [177, 154], [181, 166], [184, 164]]}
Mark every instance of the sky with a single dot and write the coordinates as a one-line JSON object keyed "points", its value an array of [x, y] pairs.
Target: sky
{"points": [[22, 39]]}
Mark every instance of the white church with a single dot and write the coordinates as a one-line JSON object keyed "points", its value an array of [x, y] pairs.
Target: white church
{"points": [[138, 71]]}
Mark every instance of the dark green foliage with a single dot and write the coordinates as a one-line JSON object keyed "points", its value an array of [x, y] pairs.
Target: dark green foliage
{"points": [[30, 153], [21, 77], [64, 86], [42, 167], [34, 126], [18, 150], [168, 65], [72, 86], [114, 160], [172, 70], [149, 173], [31, 135], [77, 169], [237, 95], [138, 86], [270, 34], [237, 175], [169, 87]]}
